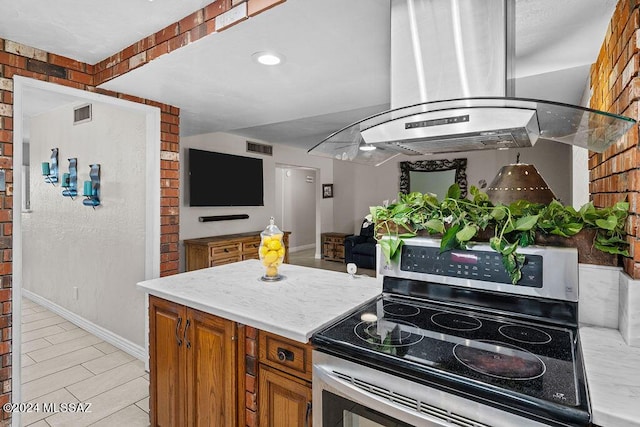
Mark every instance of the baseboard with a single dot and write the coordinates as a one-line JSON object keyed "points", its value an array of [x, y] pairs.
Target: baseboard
{"points": [[302, 248], [116, 340]]}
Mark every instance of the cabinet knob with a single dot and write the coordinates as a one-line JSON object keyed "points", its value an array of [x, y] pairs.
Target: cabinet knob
{"points": [[307, 415], [184, 336], [284, 355], [178, 323]]}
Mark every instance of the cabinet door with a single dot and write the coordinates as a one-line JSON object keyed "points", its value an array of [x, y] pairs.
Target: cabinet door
{"points": [[197, 256], [285, 401], [211, 370], [166, 321]]}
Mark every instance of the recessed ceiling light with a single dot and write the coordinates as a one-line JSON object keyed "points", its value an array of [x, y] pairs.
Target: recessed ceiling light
{"points": [[268, 58], [367, 147]]}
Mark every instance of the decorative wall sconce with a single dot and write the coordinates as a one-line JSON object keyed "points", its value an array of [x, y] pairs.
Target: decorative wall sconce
{"points": [[91, 189], [70, 180], [50, 171]]}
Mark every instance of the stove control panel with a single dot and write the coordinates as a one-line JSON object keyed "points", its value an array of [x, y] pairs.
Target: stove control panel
{"points": [[477, 265]]}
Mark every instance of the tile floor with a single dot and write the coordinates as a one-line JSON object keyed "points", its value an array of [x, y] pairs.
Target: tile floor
{"points": [[307, 258], [62, 363]]}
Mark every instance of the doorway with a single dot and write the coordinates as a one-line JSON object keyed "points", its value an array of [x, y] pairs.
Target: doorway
{"points": [[296, 207], [32, 98]]}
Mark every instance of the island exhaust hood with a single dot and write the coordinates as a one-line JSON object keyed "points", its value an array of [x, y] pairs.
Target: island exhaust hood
{"points": [[452, 90]]}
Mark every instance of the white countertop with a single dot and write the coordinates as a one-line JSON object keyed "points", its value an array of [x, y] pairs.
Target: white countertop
{"points": [[613, 376], [296, 307]]}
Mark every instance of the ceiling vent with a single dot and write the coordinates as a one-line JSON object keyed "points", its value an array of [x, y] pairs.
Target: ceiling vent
{"points": [[254, 147], [82, 114]]}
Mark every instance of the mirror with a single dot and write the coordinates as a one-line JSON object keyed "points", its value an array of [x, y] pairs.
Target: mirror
{"points": [[433, 176]]}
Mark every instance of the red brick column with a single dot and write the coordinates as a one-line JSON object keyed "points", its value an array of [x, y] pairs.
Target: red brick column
{"points": [[614, 175], [251, 377]]}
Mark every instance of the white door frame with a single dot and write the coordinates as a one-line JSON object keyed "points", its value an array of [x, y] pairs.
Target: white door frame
{"points": [[152, 231]]}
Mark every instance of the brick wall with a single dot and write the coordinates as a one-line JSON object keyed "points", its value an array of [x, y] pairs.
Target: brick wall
{"points": [[614, 175], [251, 377], [189, 29], [17, 59]]}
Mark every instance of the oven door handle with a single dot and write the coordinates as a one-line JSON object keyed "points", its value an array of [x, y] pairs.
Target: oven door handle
{"points": [[325, 380]]}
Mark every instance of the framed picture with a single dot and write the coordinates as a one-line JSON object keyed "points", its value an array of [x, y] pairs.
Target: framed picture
{"points": [[327, 191]]}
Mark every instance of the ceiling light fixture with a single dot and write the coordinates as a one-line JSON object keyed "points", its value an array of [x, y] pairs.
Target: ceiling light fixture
{"points": [[367, 147], [268, 58]]}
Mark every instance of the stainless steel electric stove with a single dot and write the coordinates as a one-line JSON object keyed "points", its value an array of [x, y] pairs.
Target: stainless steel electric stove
{"points": [[451, 341]]}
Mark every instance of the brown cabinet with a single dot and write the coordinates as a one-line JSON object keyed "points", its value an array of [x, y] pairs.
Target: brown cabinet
{"points": [[218, 250], [285, 401], [199, 371], [193, 362], [333, 246], [284, 382]]}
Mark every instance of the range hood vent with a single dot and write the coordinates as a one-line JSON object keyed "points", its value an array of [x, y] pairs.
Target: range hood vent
{"points": [[452, 90]]}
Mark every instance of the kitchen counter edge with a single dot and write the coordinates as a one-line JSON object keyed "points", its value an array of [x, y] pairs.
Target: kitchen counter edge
{"points": [[613, 376]]}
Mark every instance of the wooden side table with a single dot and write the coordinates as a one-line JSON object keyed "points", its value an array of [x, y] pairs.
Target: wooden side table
{"points": [[333, 246], [218, 250]]}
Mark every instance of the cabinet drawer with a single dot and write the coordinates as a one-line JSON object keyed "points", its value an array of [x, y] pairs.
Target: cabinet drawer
{"points": [[222, 261], [251, 246], [225, 251], [287, 355]]}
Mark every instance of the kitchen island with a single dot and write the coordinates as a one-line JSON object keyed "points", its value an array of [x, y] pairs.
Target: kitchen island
{"points": [[214, 329], [273, 322]]}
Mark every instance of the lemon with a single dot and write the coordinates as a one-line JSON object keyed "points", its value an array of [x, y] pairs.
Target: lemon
{"points": [[272, 271], [280, 252], [274, 245], [263, 251], [270, 258], [266, 240]]}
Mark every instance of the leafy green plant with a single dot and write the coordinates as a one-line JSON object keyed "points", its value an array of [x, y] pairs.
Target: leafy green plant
{"points": [[459, 220]]}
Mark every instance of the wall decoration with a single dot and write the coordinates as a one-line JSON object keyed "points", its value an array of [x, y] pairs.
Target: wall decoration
{"points": [[91, 189], [327, 191], [458, 166], [50, 170], [70, 180]]}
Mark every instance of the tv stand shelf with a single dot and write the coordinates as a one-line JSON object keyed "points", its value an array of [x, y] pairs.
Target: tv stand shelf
{"points": [[211, 251]]}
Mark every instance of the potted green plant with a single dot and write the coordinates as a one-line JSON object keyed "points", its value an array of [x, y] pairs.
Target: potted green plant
{"points": [[458, 221]]}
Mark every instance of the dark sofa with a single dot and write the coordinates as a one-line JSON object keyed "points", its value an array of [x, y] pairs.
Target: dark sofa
{"points": [[361, 249]]}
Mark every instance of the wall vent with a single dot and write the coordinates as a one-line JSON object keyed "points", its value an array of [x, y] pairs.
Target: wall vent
{"points": [[254, 147], [82, 114]]}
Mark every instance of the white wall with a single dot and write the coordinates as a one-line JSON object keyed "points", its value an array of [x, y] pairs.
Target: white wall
{"points": [[369, 186], [259, 216], [101, 251]]}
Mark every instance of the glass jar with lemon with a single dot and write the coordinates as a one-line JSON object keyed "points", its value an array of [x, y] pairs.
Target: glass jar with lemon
{"points": [[271, 251]]}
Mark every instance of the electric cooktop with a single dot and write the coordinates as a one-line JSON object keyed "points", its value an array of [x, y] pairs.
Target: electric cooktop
{"points": [[496, 351]]}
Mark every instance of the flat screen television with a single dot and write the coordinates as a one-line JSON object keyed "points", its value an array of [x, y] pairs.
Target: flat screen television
{"points": [[219, 179]]}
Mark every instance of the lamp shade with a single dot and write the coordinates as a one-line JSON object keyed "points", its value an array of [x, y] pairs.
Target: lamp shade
{"points": [[519, 181]]}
